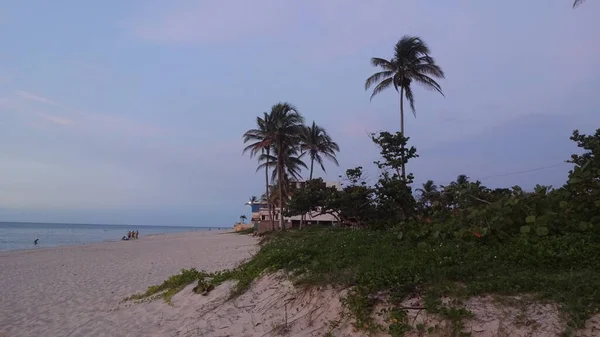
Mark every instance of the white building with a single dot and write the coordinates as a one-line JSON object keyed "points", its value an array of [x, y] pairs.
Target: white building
{"points": [[336, 184], [314, 218], [260, 213]]}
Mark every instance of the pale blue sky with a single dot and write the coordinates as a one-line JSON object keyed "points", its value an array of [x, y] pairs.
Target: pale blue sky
{"points": [[132, 111]]}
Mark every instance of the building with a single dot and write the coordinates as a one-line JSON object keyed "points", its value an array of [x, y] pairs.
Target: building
{"points": [[301, 184], [256, 208], [261, 219]]}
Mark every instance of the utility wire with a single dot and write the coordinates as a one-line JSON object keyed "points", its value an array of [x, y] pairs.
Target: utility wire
{"points": [[514, 173], [523, 171]]}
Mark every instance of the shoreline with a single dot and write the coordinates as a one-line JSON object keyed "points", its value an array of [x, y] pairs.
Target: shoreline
{"points": [[77, 290], [203, 229]]}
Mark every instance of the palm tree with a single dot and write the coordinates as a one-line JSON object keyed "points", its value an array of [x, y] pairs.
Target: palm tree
{"points": [[261, 139], [293, 163], [462, 180], [428, 191], [316, 142], [411, 62], [287, 127], [252, 200], [243, 218], [577, 3]]}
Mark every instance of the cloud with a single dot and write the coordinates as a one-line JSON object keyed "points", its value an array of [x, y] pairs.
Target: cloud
{"points": [[313, 29], [103, 161], [342, 23], [31, 97], [210, 21], [320, 30], [55, 119], [56, 113]]}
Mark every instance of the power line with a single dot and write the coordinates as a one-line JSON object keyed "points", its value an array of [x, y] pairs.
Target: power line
{"points": [[513, 173], [523, 171]]}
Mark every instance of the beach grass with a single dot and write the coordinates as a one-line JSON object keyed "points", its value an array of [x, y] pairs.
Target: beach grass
{"points": [[563, 269]]}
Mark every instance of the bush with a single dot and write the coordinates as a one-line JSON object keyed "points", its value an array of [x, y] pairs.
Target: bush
{"points": [[561, 268]]}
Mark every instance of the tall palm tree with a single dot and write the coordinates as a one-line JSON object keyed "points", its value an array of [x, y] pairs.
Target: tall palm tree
{"points": [[316, 142], [261, 141], [287, 125], [293, 164], [428, 191], [411, 62], [243, 218]]}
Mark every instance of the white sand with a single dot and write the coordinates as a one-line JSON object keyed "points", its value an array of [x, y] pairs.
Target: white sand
{"points": [[75, 291]]}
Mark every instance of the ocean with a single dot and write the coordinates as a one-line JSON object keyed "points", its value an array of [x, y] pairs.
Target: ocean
{"points": [[19, 235]]}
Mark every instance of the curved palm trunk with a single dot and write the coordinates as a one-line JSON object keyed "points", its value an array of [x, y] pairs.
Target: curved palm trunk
{"points": [[281, 182], [267, 192], [402, 129]]}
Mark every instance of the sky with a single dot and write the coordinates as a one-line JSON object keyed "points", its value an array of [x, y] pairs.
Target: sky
{"points": [[132, 111]]}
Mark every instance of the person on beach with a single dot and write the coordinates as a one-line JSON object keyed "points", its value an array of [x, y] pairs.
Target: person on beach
{"points": [[137, 235], [129, 235], [35, 242]]}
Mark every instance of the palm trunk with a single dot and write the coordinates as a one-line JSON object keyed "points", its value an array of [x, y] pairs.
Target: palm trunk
{"points": [[402, 130], [310, 175], [267, 191], [281, 181]]}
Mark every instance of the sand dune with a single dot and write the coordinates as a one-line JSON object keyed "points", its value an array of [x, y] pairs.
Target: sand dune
{"points": [[78, 291], [75, 291]]}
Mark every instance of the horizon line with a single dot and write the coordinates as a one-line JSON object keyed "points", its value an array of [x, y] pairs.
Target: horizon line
{"points": [[98, 224]]}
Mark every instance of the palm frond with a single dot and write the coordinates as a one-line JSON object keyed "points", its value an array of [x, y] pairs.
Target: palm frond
{"points": [[377, 77], [314, 141], [429, 83], [411, 99], [412, 61], [383, 63], [382, 86], [429, 69]]}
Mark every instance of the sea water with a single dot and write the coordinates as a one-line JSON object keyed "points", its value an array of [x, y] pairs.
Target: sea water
{"points": [[20, 235]]}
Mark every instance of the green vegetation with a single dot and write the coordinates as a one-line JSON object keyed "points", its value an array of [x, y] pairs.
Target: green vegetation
{"points": [[280, 139], [316, 142], [560, 268], [171, 286], [445, 243], [412, 62], [245, 231], [176, 283], [452, 242]]}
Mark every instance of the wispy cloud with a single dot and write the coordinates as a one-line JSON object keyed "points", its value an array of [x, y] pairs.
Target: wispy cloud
{"points": [[209, 21], [317, 29], [312, 28], [55, 113], [35, 98], [55, 119]]}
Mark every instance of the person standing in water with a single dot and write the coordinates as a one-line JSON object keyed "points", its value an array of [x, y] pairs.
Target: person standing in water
{"points": [[35, 242]]}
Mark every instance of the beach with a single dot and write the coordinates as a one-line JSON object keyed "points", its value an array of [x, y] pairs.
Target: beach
{"points": [[78, 290]]}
